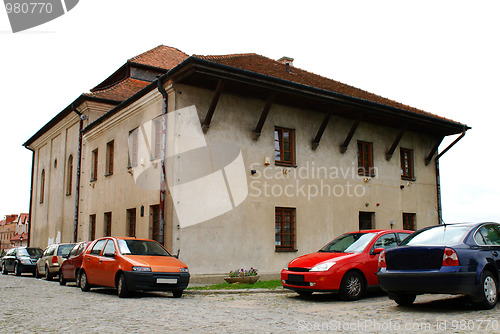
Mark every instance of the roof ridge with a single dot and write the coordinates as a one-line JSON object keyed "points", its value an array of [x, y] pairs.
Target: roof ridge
{"points": [[231, 55], [153, 50]]}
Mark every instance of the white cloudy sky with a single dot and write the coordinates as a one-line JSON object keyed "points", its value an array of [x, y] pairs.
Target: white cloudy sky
{"points": [[439, 56]]}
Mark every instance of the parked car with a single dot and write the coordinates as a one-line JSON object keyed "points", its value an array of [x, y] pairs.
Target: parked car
{"points": [[347, 265], [130, 264], [70, 268], [449, 259], [21, 260], [50, 262]]}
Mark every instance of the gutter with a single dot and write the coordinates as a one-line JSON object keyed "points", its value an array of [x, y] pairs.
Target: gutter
{"points": [[438, 179], [31, 193], [78, 166]]}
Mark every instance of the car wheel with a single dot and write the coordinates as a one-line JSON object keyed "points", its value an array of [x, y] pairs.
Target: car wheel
{"points": [[84, 284], [17, 270], [77, 278], [404, 299], [48, 275], [177, 293], [488, 292], [352, 286], [4, 269], [122, 287], [37, 273], [304, 293], [62, 281]]}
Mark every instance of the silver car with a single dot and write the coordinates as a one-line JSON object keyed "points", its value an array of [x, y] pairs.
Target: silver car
{"points": [[48, 265]]}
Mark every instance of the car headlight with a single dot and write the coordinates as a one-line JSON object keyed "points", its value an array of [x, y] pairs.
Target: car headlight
{"points": [[184, 270], [137, 268], [322, 266], [25, 260]]}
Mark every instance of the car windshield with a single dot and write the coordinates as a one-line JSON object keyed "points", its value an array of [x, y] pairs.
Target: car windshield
{"points": [[64, 250], [30, 252], [445, 235], [141, 247], [349, 243]]}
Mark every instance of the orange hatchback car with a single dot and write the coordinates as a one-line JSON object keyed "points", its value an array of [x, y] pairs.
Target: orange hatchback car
{"points": [[130, 264]]}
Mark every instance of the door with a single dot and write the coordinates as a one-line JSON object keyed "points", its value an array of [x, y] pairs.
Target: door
{"points": [[385, 241], [490, 235], [108, 265], [91, 262]]}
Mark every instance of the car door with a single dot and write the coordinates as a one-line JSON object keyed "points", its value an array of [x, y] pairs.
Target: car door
{"points": [[384, 241], [91, 261], [491, 236], [108, 264], [10, 259], [68, 267]]}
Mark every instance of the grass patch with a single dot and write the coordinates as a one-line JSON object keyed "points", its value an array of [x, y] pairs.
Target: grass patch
{"points": [[273, 284]]}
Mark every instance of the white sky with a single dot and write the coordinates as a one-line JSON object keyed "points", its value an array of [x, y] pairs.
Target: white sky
{"points": [[439, 56]]}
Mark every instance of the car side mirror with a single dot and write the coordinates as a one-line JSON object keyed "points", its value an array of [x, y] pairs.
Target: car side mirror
{"points": [[377, 251], [109, 254], [65, 256]]}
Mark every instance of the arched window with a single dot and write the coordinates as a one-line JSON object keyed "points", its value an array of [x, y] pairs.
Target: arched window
{"points": [[42, 185], [69, 177]]}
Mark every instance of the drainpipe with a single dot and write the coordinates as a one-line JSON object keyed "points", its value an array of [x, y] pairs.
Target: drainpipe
{"points": [[163, 186], [31, 193], [438, 181], [78, 166]]}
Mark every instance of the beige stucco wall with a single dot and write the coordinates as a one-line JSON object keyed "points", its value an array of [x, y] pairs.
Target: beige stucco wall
{"points": [[244, 237], [117, 192]]}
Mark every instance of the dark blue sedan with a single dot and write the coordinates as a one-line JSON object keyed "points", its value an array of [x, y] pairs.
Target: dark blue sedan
{"points": [[450, 259]]}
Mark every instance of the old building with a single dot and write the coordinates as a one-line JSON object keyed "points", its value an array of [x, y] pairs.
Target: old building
{"points": [[14, 231], [262, 161]]}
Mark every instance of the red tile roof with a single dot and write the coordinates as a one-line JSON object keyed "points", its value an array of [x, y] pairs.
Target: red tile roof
{"points": [[263, 65], [161, 56], [17, 237], [121, 91]]}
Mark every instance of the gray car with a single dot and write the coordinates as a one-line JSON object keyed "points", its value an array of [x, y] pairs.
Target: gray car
{"points": [[53, 256]]}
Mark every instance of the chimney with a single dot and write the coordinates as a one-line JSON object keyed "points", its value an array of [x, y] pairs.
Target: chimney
{"points": [[287, 61]]}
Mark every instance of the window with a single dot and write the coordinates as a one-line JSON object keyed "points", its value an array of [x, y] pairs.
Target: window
{"points": [[131, 221], [409, 221], [92, 227], [110, 157], [133, 147], [157, 130], [284, 229], [488, 235], [107, 224], [109, 248], [365, 159], [69, 176], [366, 221], [93, 173], [407, 164], [155, 222], [96, 249], [284, 146], [42, 185], [386, 241]]}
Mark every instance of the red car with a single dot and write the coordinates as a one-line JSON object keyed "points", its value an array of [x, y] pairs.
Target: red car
{"points": [[347, 265], [130, 264], [70, 268]]}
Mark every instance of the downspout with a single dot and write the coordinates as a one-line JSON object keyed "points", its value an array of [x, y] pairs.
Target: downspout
{"points": [[78, 166], [438, 181], [163, 186], [31, 193]]}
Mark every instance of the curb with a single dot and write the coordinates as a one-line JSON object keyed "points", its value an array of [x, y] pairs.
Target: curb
{"points": [[235, 291]]}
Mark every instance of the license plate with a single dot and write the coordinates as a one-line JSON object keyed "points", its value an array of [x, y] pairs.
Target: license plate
{"points": [[166, 280], [295, 278]]}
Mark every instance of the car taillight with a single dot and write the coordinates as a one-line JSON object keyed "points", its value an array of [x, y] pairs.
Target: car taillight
{"points": [[54, 259], [381, 260], [450, 257]]}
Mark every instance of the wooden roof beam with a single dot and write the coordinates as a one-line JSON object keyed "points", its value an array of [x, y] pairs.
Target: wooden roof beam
{"points": [[211, 110], [433, 151], [321, 130], [395, 144], [263, 115], [348, 139]]}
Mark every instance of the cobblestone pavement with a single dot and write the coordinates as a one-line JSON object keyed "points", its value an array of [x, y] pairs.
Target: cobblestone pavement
{"points": [[29, 305]]}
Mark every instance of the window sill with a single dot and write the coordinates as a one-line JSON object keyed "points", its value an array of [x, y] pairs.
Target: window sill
{"points": [[93, 180], [412, 179], [108, 174], [285, 250], [283, 164]]}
